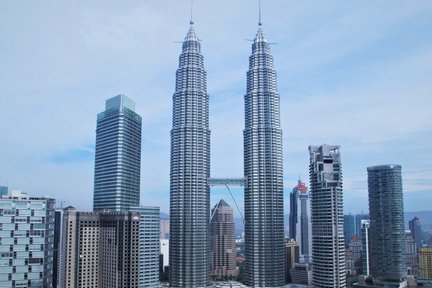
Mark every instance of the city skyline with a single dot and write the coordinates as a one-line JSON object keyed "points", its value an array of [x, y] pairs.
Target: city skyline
{"points": [[98, 51]]}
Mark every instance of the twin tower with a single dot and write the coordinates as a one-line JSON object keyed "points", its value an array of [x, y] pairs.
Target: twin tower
{"points": [[190, 170]]}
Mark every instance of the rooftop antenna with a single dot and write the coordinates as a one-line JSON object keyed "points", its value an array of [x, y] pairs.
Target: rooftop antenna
{"points": [[259, 13], [191, 12]]}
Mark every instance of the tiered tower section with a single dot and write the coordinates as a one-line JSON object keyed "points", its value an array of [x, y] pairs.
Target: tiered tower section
{"points": [[264, 222], [190, 169]]}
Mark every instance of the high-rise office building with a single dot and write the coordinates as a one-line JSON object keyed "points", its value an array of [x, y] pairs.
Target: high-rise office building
{"points": [[387, 234], [111, 249], [148, 246], [425, 261], [416, 232], [222, 230], [365, 246], [190, 169], [80, 249], [328, 249], [263, 170], [119, 249], [26, 240], [298, 218], [118, 156]]}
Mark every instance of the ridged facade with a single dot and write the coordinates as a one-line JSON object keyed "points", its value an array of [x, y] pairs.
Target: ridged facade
{"points": [[190, 169], [328, 247], [264, 219], [387, 230], [118, 156]]}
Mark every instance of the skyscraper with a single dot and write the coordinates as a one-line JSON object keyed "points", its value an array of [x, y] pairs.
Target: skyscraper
{"points": [[328, 249], [263, 170], [223, 246], [190, 169], [387, 234], [118, 156], [298, 218], [416, 232]]}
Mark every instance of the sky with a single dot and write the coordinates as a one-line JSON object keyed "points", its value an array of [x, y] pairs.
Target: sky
{"points": [[352, 73]]}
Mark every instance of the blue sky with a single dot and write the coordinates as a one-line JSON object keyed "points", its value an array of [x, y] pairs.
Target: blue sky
{"points": [[353, 73]]}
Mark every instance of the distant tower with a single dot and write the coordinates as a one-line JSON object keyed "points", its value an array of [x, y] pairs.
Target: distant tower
{"points": [[222, 229], [299, 220], [118, 156], [328, 249], [264, 219], [387, 234], [190, 168], [416, 232], [365, 246], [349, 228]]}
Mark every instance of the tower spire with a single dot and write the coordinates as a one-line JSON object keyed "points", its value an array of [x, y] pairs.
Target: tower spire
{"points": [[191, 14], [259, 13]]}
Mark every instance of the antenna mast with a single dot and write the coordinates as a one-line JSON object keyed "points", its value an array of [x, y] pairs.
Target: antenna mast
{"points": [[259, 13], [191, 13]]}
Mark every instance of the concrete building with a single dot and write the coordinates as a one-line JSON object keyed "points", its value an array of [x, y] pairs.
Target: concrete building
{"points": [[26, 240], [117, 156], [164, 229], [164, 250], [328, 249], [425, 261], [190, 169], [119, 249], [222, 233], [411, 256], [80, 249], [263, 170], [354, 251], [292, 256], [387, 234]]}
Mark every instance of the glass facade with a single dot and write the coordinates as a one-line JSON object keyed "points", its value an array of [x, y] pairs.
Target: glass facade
{"points": [[118, 156], [26, 241], [387, 232], [190, 169], [263, 170]]}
